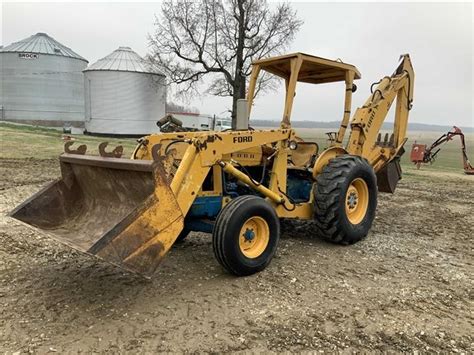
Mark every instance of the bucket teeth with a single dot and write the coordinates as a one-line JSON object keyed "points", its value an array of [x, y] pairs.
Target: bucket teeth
{"points": [[116, 153], [81, 150]]}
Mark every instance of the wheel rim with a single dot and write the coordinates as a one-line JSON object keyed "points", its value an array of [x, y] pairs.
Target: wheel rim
{"points": [[357, 201], [254, 237]]}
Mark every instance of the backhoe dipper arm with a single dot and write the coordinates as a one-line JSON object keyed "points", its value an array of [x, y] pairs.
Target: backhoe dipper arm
{"points": [[429, 155], [364, 139]]}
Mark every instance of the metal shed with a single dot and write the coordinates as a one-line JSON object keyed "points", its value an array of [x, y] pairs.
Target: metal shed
{"points": [[42, 82], [124, 95]]}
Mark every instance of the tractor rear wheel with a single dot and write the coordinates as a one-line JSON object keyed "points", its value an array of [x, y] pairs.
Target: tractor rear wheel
{"points": [[345, 199], [246, 235]]}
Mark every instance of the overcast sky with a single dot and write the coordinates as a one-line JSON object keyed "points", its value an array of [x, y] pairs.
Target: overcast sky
{"points": [[438, 36]]}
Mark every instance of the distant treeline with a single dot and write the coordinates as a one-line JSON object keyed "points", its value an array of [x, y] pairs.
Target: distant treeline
{"points": [[335, 124]]}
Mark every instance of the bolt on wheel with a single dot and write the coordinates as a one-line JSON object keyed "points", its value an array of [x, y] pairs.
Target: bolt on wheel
{"points": [[254, 237], [357, 200]]}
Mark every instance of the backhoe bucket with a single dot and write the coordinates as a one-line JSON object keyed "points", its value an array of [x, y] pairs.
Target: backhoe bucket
{"points": [[120, 210]]}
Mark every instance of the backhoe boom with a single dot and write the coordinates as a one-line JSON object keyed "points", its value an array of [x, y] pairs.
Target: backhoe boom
{"points": [[365, 139]]}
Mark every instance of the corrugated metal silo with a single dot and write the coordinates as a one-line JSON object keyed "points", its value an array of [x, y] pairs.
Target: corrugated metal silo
{"points": [[124, 95], [42, 82]]}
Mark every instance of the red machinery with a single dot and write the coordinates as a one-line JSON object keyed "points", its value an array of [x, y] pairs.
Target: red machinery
{"points": [[421, 154]]}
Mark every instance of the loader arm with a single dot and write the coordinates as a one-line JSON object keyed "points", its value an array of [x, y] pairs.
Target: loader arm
{"points": [[203, 152], [364, 139]]}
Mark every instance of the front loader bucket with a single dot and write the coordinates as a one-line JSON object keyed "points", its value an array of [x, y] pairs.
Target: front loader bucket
{"points": [[120, 210]]}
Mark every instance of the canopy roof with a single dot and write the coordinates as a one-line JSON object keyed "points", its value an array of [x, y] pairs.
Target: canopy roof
{"points": [[124, 59], [43, 44], [314, 70]]}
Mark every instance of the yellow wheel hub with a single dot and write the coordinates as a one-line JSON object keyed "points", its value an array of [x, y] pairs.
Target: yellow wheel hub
{"points": [[254, 237], [357, 201]]}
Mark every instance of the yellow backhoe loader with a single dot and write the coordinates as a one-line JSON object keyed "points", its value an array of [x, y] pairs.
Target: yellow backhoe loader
{"points": [[234, 184]]}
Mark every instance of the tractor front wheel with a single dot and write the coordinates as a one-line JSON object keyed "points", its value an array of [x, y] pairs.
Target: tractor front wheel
{"points": [[345, 199], [246, 235]]}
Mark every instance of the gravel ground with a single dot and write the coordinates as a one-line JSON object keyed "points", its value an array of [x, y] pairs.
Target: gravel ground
{"points": [[406, 287]]}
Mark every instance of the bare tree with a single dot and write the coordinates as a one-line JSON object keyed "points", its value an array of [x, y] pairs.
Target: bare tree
{"points": [[219, 39]]}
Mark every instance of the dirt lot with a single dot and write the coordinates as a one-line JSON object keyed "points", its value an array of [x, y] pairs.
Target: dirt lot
{"points": [[407, 287]]}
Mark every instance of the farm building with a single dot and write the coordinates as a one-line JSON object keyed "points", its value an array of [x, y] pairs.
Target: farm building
{"points": [[124, 95], [42, 82]]}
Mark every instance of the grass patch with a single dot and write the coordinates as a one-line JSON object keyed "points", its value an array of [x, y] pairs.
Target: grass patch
{"points": [[22, 141]]}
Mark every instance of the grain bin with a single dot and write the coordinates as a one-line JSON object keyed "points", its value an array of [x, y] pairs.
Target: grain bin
{"points": [[42, 82], [124, 95]]}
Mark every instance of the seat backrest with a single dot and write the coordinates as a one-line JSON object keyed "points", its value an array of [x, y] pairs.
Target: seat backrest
{"points": [[302, 156]]}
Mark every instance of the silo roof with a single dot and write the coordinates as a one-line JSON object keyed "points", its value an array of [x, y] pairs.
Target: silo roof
{"points": [[41, 43], [124, 59]]}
